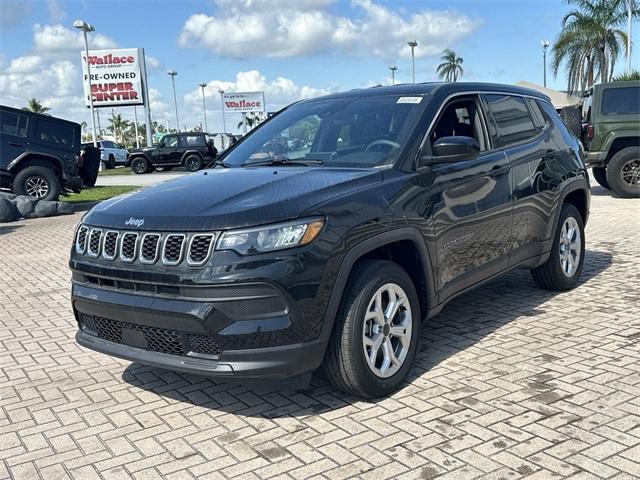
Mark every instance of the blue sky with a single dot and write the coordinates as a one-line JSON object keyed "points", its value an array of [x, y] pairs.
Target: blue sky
{"points": [[292, 49]]}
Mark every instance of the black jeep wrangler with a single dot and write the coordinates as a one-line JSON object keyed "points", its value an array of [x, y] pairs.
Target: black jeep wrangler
{"points": [[41, 156], [193, 150], [329, 232]]}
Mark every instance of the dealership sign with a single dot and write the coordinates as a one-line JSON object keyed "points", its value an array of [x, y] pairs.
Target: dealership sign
{"points": [[243, 102], [116, 77]]}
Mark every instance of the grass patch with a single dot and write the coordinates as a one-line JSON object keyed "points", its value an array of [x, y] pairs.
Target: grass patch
{"points": [[116, 171], [96, 194]]}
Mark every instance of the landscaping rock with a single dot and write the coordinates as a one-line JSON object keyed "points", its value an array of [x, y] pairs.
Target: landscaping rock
{"points": [[7, 195], [45, 208], [25, 205], [65, 208], [8, 211]]}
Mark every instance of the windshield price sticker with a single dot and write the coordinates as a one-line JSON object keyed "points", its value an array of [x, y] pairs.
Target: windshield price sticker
{"points": [[409, 100]]}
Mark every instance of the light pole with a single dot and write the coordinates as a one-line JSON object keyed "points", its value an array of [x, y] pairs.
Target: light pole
{"points": [[629, 14], [86, 27], [545, 45], [413, 44], [173, 74], [204, 107], [393, 69]]}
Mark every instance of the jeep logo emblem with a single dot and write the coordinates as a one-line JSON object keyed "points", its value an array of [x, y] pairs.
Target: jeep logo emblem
{"points": [[137, 222]]}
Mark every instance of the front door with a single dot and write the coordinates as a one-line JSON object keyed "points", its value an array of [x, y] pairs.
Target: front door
{"points": [[470, 202], [169, 153]]}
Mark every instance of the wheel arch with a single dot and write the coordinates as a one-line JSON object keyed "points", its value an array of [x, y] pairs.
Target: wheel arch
{"points": [[576, 193], [28, 159], [401, 245], [620, 143], [188, 153]]}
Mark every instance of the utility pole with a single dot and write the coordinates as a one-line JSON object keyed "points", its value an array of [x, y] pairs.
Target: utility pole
{"points": [[545, 45], [173, 74], [224, 124], [87, 27], [204, 107], [629, 18], [135, 125], [393, 69], [413, 44]]}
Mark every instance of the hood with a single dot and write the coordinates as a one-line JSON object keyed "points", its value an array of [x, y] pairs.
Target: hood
{"points": [[225, 198], [143, 149]]}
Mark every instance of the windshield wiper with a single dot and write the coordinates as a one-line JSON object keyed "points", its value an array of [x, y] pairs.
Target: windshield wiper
{"points": [[221, 163], [282, 161]]}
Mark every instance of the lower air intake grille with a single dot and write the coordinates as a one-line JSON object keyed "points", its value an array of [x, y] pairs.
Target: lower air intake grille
{"points": [[156, 339]]}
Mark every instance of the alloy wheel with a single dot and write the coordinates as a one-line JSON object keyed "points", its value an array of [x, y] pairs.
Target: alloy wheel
{"points": [[37, 187], [631, 172], [570, 246], [386, 333]]}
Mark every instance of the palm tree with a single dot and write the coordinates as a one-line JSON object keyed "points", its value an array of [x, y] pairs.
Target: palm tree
{"points": [[252, 119], [117, 126], [35, 106], [590, 42], [451, 67]]}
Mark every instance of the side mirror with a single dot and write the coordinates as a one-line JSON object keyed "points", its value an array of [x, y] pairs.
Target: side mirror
{"points": [[161, 145], [455, 149]]}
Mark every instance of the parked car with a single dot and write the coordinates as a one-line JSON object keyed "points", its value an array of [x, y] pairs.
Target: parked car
{"points": [[41, 156], [111, 154], [278, 262], [193, 150], [611, 135]]}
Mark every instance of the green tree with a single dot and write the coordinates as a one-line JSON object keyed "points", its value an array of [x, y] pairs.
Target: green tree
{"points": [[590, 41], [35, 106], [253, 119], [451, 67], [118, 126], [626, 77]]}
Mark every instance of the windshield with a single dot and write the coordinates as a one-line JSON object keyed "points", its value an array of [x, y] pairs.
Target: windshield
{"points": [[355, 132]]}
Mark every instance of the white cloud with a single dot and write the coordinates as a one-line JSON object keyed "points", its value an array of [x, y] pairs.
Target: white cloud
{"points": [[57, 38], [26, 64], [252, 28]]}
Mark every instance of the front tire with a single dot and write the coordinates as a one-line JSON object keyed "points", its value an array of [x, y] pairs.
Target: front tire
{"points": [[564, 266], [600, 174], [140, 165], [38, 182], [376, 333], [623, 172]]}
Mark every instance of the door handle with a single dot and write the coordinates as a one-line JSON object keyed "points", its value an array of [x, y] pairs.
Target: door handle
{"points": [[15, 144], [499, 170]]}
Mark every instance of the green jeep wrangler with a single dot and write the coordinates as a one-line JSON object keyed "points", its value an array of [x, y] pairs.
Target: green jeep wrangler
{"points": [[611, 135]]}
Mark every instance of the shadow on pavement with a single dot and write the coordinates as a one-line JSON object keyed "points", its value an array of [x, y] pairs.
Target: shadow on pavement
{"points": [[464, 322]]}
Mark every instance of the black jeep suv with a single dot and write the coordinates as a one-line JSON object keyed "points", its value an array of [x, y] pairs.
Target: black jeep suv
{"points": [[193, 150], [328, 233], [41, 156]]}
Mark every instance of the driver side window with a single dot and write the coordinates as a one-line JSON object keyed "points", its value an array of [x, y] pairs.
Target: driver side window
{"points": [[461, 117]]}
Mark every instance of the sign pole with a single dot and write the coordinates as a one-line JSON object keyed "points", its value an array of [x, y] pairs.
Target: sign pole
{"points": [[145, 95], [244, 123], [135, 125]]}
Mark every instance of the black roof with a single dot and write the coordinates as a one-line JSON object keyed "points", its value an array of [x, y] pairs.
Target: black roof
{"points": [[41, 115], [428, 88]]}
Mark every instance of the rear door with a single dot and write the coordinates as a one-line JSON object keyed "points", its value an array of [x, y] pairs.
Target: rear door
{"points": [[60, 139], [471, 202], [13, 135], [525, 135]]}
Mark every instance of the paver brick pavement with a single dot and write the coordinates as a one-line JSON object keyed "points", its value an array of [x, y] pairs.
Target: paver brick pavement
{"points": [[510, 382]]}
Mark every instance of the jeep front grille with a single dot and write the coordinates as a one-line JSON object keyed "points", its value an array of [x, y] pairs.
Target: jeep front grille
{"points": [[110, 245], [93, 249], [200, 249], [81, 239], [147, 248], [128, 247], [172, 251], [150, 247]]}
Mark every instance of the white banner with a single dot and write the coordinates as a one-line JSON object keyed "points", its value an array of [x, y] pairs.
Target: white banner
{"points": [[243, 102], [116, 78]]}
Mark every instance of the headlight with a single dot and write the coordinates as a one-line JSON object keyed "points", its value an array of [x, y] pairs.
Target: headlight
{"points": [[271, 237]]}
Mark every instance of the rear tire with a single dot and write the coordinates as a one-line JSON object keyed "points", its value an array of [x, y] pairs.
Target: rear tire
{"points": [[193, 163], [111, 163], [600, 174], [564, 266], [623, 172], [139, 165], [37, 181], [371, 350]]}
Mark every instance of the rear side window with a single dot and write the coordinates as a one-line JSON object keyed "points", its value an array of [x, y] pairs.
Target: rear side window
{"points": [[512, 118], [192, 141], [621, 101], [53, 133], [13, 124]]}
